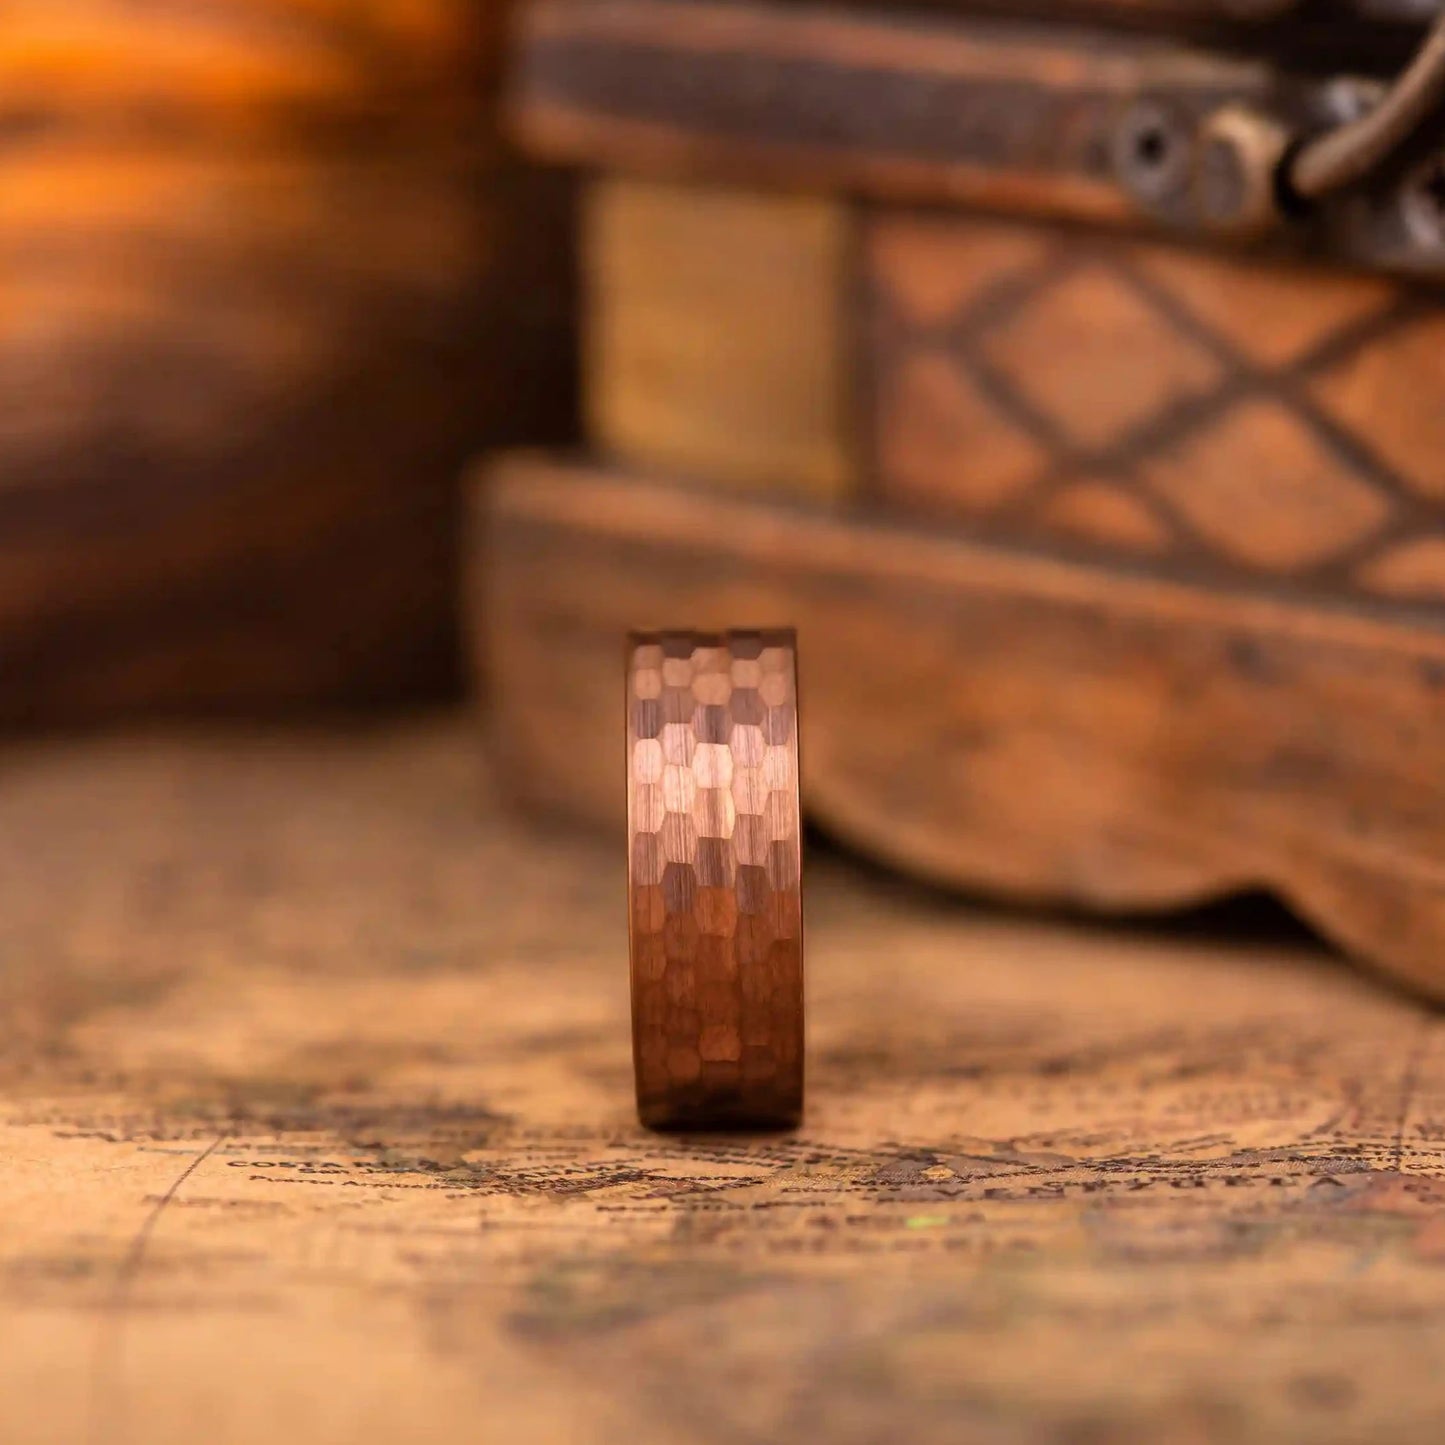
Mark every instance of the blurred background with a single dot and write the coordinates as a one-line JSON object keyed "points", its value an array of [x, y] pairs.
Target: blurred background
{"points": [[1023, 363], [270, 278]]}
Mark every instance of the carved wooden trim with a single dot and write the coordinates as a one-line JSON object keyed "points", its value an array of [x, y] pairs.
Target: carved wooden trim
{"points": [[1036, 728]]}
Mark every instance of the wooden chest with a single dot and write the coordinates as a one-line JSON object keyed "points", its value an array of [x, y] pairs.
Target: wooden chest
{"points": [[1099, 461]]}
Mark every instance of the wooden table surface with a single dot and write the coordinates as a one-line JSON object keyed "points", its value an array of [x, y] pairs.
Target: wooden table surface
{"points": [[316, 1125]]}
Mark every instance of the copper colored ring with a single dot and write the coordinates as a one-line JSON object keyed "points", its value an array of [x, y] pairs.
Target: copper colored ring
{"points": [[714, 877]]}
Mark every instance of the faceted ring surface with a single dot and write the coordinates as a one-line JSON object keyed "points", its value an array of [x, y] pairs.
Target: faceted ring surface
{"points": [[715, 878]]}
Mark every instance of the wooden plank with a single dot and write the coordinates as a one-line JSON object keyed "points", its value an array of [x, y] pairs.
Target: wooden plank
{"points": [[716, 334], [1053, 121], [208, 498], [265, 283], [1000, 720]]}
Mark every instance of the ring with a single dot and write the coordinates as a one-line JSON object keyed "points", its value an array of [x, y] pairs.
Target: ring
{"points": [[715, 903]]}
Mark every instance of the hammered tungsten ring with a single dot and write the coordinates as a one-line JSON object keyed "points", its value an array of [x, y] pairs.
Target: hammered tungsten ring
{"points": [[715, 878]]}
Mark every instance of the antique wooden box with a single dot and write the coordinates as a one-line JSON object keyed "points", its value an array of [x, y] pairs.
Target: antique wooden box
{"points": [[1084, 412]]}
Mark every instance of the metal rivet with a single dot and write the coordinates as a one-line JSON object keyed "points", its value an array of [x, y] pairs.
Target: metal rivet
{"points": [[1152, 152], [1236, 178]]}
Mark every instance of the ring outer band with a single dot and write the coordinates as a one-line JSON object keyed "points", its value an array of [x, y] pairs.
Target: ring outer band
{"points": [[715, 912]]}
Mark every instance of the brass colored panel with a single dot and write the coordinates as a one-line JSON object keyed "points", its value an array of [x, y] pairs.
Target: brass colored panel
{"points": [[715, 335]]}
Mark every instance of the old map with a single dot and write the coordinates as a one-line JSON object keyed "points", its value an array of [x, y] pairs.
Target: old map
{"points": [[315, 1125]]}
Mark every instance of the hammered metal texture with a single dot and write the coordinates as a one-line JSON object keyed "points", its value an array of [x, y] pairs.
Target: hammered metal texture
{"points": [[714, 878]]}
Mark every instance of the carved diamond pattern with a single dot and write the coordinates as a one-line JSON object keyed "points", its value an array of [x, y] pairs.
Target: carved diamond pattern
{"points": [[1132, 398], [948, 440], [1394, 393], [1311, 507], [1097, 359]]}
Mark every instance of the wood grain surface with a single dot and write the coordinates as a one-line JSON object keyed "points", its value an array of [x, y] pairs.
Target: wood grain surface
{"points": [[718, 334], [1015, 723], [226, 483], [317, 1124], [257, 263], [1229, 418]]}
